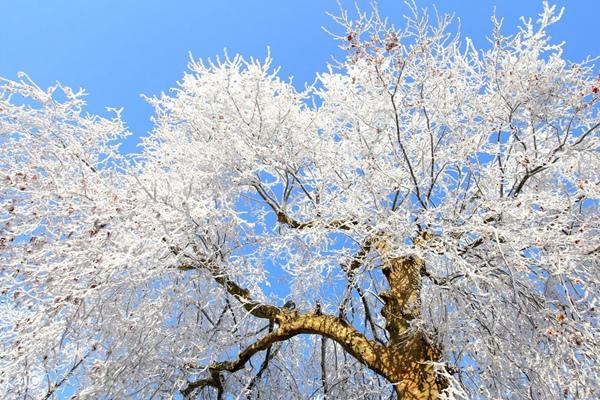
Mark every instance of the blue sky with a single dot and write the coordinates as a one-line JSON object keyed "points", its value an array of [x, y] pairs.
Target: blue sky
{"points": [[118, 49]]}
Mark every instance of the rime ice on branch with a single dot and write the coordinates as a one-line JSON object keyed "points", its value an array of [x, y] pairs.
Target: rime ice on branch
{"points": [[433, 225]]}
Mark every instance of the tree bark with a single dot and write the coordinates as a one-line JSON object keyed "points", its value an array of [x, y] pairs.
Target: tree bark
{"points": [[406, 360], [409, 353]]}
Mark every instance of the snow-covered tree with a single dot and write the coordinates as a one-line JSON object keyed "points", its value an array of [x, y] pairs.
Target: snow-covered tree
{"points": [[420, 223]]}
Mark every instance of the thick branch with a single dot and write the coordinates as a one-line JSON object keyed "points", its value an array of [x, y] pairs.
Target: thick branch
{"points": [[404, 362], [291, 324]]}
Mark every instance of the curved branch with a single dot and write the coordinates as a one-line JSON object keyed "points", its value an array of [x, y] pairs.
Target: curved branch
{"points": [[369, 353]]}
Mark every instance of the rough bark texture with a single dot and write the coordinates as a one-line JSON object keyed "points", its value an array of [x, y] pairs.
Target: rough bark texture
{"points": [[406, 360], [410, 353]]}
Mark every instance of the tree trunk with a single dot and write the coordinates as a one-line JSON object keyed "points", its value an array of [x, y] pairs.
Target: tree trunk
{"points": [[406, 361], [410, 353]]}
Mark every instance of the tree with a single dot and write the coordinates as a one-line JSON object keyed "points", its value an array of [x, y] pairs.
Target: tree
{"points": [[421, 223]]}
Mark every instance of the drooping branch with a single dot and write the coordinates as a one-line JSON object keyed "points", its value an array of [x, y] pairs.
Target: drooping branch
{"points": [[270, 354], [350, 270], [324, 367]]}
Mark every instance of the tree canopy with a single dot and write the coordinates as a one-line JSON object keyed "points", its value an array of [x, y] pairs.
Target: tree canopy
{"points": [[421, 222]]}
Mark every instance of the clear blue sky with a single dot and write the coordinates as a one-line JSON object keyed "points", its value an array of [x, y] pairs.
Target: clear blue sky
{"points": [[118, 49]]}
